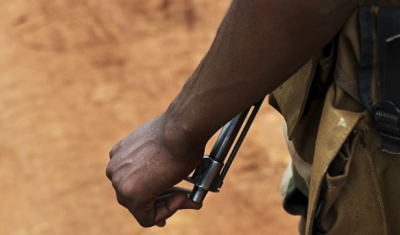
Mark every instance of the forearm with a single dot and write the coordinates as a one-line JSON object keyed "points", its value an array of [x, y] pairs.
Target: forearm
{"points": [[258, 46]]}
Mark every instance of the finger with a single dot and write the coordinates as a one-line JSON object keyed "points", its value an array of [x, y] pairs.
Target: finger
{"points": [[176, 190], [150, 214], [162, 198], [169, 192], [189, 204], [169, 206], [161, 224]]}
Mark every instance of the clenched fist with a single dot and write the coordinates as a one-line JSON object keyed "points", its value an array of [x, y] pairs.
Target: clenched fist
{"points": [[147, 164]]}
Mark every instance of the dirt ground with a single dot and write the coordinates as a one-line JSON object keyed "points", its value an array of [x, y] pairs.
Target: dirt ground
{"points": [[76, 77]]}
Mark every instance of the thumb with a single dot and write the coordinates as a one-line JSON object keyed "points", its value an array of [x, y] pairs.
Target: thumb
{"points": [[166, 208]]}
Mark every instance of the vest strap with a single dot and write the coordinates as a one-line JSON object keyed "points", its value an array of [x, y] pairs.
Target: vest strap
{"points": [[386, 112]]}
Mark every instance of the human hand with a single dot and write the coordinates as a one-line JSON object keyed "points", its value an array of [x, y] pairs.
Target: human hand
{"points": [[145, 167]]}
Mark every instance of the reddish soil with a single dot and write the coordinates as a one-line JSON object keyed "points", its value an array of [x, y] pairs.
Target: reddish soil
{"points": [[77, 76]]}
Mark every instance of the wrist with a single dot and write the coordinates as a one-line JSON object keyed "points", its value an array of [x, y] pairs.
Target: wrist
{"points": [[179, 138]]}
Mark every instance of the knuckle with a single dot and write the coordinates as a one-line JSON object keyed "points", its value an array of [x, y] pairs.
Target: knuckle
{"points": [[126, 189], [114, 149], [115, 185], [116, 182], [109, 172], [120, 200]]}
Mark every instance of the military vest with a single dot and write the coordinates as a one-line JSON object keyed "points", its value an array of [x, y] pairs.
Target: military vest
{"points": [[342, 125]]}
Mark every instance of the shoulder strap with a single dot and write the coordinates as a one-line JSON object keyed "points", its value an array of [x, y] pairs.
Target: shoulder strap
{"points": [[366, 56], [386, 111]]}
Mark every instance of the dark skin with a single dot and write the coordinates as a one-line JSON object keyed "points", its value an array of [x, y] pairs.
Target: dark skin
{"points": [[258, 46]]}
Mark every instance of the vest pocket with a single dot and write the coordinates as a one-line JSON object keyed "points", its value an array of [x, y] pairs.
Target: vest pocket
{"points": [[351, 203], [345, 195], [332, 186]]}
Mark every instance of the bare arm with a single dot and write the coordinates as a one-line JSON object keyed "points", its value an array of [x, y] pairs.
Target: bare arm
{"points": [[259, 44]]}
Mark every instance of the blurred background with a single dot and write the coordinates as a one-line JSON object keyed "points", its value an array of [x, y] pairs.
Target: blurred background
{"points": [[76, 76]]}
